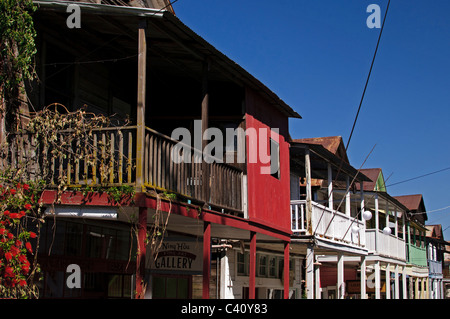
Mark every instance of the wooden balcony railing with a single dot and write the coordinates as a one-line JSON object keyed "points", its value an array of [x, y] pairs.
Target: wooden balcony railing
{"points": [[416, 255], [108, 158], [326, 223], [386, 245], [223, 187]]}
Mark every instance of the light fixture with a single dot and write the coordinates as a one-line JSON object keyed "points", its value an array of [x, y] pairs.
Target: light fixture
{"points": [[387, 230], [367, 215], [355, 229]]}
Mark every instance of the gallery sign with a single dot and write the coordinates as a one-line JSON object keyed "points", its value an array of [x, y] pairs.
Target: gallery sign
{"points": [[179, 256]]}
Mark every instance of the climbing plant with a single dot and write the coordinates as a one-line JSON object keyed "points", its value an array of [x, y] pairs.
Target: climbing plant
{"points": [[17, 51]]}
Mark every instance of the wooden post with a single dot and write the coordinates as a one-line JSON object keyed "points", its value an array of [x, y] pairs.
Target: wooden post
{"points": [[377, 223], [340, 277], [310, 272], [286, 270], [347, 197], [308, 191], [377, 280], [388, 281], [206, 258], [404, 283], [140, 258], [205, 116], [397, 283], [363, 277], [330, 187], [252, 275], [140, 113]]}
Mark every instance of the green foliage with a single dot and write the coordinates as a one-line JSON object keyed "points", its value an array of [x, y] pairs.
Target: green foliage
{"points": [[17, 46], [17, 50], [117, 193]]}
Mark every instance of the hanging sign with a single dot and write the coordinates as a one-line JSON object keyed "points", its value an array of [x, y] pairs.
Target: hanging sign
{"points": [[178, 256]]}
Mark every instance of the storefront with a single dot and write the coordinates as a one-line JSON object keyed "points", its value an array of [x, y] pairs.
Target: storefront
{"points": [[173, 272], [103, 250]]}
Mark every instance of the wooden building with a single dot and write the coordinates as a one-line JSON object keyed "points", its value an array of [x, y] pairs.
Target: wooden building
{"points": [[144, 64]]}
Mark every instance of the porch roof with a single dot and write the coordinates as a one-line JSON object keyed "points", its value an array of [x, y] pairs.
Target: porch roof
{"points": [[175, 47], [320, 158]]}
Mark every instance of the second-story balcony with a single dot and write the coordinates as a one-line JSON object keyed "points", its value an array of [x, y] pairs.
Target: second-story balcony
{"points": [[317, 209], [114, 162], [326, 223], [385, 231]]}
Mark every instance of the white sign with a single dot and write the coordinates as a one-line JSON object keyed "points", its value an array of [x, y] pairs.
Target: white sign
{"points": [[178, 256]]}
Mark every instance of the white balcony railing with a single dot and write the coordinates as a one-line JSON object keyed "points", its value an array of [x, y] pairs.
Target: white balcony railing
{"points": [[326, 223], [386, 245], [435, 267]]}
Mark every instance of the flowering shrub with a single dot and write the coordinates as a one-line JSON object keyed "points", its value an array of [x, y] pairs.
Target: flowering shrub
{"points": [[18, 202]]}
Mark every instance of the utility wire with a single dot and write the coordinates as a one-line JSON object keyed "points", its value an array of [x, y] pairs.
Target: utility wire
{"points": [[417, 177], [368, 77]]}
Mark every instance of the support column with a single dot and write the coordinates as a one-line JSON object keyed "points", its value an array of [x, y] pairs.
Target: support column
{"points": [[347, 197], [252, 262], [377, 280], [206, 258], [340, 277], [416, 291], [286, 270], [205, 119], [396, 284], [140, 112], [377, 222], [330, 187], [310, 272], [363, 277], [140, 258], [388, 281], [411, 287], [317, 281], [404, 283], [308, 191]]}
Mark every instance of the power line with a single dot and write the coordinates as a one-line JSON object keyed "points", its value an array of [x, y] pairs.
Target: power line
{"points": [[417, 177], [368, 76]]}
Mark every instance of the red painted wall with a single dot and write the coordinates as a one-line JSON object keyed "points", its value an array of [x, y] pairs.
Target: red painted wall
{"points": [[328, 275], [268, 197]]}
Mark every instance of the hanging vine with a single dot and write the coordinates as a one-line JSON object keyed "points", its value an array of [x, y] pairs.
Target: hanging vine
{"points": [[17, 50]]}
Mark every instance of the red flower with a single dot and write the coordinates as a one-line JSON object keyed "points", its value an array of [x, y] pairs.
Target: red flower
{"points": [[14, 215], [32, 234], [3, 231], [9, 272], [28, 206], [25, 269], [18, 243], [21, 213], [12, 191], [8, 256], [10, 236], [6, 212], [28, 247], [23, 259], [14, 250], [23, 282]]}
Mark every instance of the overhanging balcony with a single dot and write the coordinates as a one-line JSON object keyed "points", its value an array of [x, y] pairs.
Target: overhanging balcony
{"points": [[114, 163], [326, 223], [385, 245]]}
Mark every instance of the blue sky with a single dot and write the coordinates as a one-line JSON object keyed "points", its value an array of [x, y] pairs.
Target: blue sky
{"points": [[316, 56]]}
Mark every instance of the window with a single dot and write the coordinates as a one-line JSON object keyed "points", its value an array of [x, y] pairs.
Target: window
{"points": [[262, 266], [242, 264], [272, 266], [274, 159]]}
